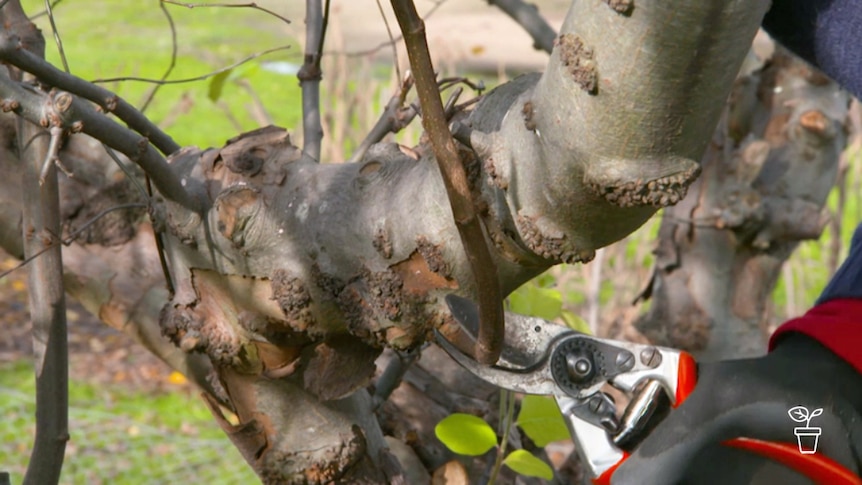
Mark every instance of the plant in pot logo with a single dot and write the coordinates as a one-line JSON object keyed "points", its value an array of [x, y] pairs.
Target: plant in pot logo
{"points": [[806, 436]]}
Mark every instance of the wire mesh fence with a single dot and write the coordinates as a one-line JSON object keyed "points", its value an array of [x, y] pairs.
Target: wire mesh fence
{"points": [[109, 447]]}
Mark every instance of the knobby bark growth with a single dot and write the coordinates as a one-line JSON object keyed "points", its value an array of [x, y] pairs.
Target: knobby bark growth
{"points": [[767, 173], [291, 276]]}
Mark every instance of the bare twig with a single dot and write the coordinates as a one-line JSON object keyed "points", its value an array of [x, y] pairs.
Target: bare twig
{"points": [[56, 241], [527, 16], [52, 156], [43, 12], [11, 52], [57, 39], [391, 40], [152, 92], [490, 339], [192, 79], [251, 5], [309, 78], [394, 118], [507, 416], [69, 111], [148, 195]]}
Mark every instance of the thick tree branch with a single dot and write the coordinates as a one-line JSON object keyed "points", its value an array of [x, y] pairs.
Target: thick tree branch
{"points": [[490, 338], [527, 16], [63, 109], [13, 52]]}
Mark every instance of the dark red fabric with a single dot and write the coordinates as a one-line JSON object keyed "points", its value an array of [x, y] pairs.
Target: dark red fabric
{"points": [[837, 324]]}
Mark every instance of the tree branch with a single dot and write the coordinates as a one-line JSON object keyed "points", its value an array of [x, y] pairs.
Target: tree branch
{"points": [[527, 15], [394, 118], [13, 52], [490, 338], [309, 77], [63, 109], [41, 222]]}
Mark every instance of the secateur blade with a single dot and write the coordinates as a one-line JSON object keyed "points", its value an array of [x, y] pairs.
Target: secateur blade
{"points": [[523, 365], [526, 340]]}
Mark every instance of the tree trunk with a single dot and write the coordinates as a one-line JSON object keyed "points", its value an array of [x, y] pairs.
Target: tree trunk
{"points": [[766, 177]]}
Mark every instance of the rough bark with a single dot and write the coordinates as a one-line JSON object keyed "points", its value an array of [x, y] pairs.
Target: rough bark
{"points": [[767, 174], [291, 276]]}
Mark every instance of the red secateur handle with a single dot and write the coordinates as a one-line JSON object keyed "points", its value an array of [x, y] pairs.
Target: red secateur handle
{"points": [[819, 468]]}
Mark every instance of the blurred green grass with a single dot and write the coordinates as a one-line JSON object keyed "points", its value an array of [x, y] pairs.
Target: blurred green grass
{"points": [[132, 38], [121, 436]]}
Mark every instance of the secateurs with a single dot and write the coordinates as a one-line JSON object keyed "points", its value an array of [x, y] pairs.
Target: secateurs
{"points": [[540, 357]]}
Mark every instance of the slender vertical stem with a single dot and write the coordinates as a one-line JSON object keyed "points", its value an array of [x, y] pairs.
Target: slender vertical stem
{"points": [[41, 228], [490, 340], [309, 79], [47, 307]]}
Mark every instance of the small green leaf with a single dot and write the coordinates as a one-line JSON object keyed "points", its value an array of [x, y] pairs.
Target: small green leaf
{"points": [[528, 465], [466, 434], [540, 418], [217, 85], [575, 322], [244, 71], [534, 301]]}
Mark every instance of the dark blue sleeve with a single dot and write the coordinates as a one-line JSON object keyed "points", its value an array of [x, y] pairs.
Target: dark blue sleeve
{"points": [[826, 33]]}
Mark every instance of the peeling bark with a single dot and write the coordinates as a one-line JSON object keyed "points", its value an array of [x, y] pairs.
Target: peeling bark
{"points": [[766, 177]]}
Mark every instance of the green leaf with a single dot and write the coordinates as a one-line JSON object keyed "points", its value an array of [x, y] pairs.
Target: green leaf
{"points": [[575, 322], [244, 71], [540, 418], [217, 85], [528, 465], [466, 434], [534, 301]]}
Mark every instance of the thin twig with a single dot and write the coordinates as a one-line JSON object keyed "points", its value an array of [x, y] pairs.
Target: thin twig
{"points": [[174, 47], [393, 119], [40, 14], [148, 195], [52, 156], [391, 40], [191, 79], [76, 113], [309, 79], [323, 28], [251, 5], [11, 52], [490, 340], [57, 39], [507, 414], [72, 236]]}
